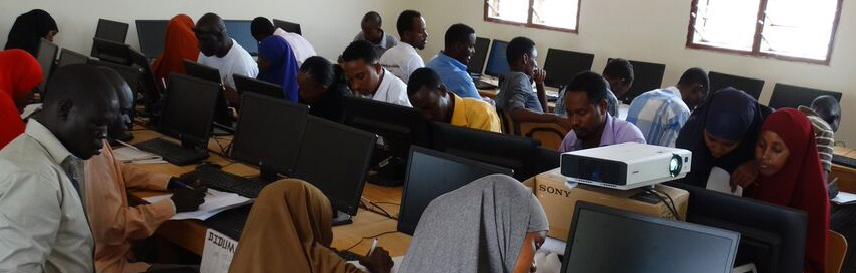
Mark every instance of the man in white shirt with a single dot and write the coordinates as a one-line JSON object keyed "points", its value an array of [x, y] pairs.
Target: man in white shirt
{"points": [[218, 50], [368, 78], [402, 59], [43, 225], [262, 28]]}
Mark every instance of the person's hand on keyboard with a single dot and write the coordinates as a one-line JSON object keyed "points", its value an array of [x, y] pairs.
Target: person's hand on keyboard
{"points": [[187, 199], [378, 262]]}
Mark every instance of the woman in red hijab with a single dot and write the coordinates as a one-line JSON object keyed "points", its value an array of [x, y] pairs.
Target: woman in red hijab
{"points": [[180, 44], [791, 175], [19, 74]]}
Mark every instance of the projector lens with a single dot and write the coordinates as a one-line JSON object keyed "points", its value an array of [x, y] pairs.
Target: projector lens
{"points": [[675, 165]]}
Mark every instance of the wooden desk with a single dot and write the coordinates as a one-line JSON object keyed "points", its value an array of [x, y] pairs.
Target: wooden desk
{"points": [[846, 175], [190, 234]]}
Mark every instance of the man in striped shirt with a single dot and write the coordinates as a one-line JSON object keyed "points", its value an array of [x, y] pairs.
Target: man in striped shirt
{"points": [[660, 114], [825, 116]]}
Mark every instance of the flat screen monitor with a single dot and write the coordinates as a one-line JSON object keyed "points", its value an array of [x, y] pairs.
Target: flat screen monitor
{"points": [[476, 65], [244, 84], [772, 237], [508, 151], [152, 36], [562, 65], [269, 133], [189, 109], [646, 77], [240, 31], [604, 239], [149, 89], [431, 174], [222, 115], [497, 65], [751, 86], [111, 30], [287, 26], [793, 96], [335, 158], [46, 57], [67, 57], [111, 51], [399, 126]]}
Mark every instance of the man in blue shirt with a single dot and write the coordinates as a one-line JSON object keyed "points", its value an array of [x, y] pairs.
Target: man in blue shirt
{"points": [[660, 114], [451, 63]]}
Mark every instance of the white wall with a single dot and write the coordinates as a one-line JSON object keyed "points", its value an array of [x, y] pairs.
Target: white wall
{"points": [[328, 24], [656, 31]]}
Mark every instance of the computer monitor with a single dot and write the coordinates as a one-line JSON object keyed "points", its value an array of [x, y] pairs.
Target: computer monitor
{"points": [[152, 36], [793, 96], [772, 237], [149, 89], [244, 84], [222, 115], [604, 239], [240, 31], [431, 174], [476, 65], [751, 86], [287, 26], [646, 77], [508, 151], [111, 30], [189, 109], [67, 57], [269, 134], [111, 51], [335, 158], [562, 65], [46, 57], [497, 65]]}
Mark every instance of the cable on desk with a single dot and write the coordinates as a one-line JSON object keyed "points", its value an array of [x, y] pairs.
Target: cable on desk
{"points": [[385, 213], [370, 237], [388, 203], [670, 206]]}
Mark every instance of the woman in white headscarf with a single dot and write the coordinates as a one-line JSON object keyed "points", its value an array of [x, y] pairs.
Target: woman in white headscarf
{"points": [[494, 224]]}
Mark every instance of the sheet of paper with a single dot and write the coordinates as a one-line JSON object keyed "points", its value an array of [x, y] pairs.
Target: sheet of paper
{"points": [[133, 155], [395, 260], [218, 252], [719, 181], [215, 202], [553, 245], [844, 198]]}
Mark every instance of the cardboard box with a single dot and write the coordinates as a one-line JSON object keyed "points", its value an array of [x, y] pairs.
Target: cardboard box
{"points": [[559, 198]]}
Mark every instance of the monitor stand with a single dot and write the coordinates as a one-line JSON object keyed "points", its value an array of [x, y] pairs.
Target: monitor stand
{"points": [[390, 172], [341, 218], [221, 130]]}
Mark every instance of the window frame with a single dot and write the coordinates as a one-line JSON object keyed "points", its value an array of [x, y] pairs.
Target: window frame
{"points": [[756, 44], [529, 22]]}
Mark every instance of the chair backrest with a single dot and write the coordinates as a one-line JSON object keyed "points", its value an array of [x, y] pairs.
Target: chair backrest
{"points": [[836, 250], [508, 125], [550, 134]]}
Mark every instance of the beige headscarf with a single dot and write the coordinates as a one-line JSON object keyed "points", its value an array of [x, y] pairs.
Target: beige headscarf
{"points": [[289, 230]]}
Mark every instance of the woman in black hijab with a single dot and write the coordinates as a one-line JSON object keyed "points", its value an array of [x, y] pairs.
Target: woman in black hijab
{"points": [[29, 28], [722, 133]]}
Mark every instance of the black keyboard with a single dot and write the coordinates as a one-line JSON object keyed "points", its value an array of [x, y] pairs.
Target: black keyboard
{"points": [[484, 85], [843, 160], [171, 152], [230, 222], [349, 256], [223, 181]]}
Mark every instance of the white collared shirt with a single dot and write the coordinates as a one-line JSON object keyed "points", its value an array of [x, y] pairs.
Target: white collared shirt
{"points": [[391, 90], [43, 227], [402, 60], [236, 61], [299, 45]]}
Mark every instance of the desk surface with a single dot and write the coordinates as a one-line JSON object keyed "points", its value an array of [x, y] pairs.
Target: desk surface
{"points": [[190, 234]]}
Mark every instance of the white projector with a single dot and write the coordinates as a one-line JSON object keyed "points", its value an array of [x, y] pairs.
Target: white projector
{"points": [[626, 166]]}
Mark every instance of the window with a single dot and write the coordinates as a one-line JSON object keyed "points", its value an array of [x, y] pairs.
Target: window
{"points": [[560, 15], [786, 29]]}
